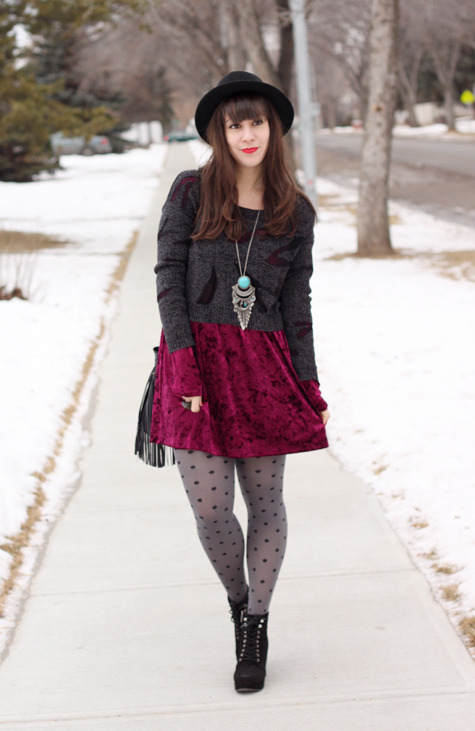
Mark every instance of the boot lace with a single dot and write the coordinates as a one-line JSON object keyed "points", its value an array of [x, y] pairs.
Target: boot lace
{"points": [[253, 629], [237, 611]]}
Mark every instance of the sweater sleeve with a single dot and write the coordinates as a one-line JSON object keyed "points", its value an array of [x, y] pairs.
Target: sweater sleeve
{"points": [[186, 379], [312, 390], [173, 243], [295, 302]]}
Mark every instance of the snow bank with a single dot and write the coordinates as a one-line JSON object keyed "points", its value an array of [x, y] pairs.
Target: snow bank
{"points": [[465, 125], [94, 204], [396, 357]]}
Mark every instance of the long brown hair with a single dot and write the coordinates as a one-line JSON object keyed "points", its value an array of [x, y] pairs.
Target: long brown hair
{"points": [[219, 210]]}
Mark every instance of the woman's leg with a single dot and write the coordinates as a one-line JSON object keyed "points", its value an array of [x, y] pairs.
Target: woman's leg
{"points": [[261, 481], [209, 485]]}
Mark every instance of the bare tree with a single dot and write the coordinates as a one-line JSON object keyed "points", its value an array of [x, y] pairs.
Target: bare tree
{"points": [[339, 32], [119, 62], [196, 42], [286, 57], [410, 53], [373, 220], [252, 39], [236, 55], [448, 25]]}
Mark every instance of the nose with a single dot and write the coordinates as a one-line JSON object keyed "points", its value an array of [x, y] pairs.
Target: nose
{"points": [[247, 131]]}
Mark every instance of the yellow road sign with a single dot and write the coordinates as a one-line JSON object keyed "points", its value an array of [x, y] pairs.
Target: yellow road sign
{"points": [[467, 97]]}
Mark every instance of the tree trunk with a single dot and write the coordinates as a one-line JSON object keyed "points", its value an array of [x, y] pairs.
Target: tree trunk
{"points": [[408, 87], [373, 220], [329, 106], [445, 57], [286, 57], [411, 112], [236, 58], [253, 42], [449, 106], [409, 100]]}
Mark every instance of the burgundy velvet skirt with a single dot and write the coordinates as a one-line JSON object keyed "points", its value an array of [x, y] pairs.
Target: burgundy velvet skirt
{"points": [[254, 404]]}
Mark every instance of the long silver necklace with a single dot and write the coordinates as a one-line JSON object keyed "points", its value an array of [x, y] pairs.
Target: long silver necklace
{"points": [[244, 294]]}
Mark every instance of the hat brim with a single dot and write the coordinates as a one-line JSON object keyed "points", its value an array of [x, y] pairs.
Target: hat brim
{"points": [[211, 100]]}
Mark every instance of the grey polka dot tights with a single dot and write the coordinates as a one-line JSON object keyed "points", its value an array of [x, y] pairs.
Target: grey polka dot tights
{"points": [[209, 485]]}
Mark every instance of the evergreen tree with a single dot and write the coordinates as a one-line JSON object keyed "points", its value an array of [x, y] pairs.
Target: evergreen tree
{"points": [[40, 97], [23, 143]]}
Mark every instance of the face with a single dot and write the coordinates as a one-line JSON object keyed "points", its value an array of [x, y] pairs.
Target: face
{"points": [[248, 140]]}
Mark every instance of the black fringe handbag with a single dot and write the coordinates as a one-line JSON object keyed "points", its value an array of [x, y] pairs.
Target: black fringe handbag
{"points": [[156, 455]]}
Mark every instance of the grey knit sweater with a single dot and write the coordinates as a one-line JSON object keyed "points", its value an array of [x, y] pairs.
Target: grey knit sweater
{"points": [[194, 280]]}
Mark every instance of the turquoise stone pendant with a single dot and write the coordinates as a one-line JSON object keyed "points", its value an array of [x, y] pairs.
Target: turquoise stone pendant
{"points": [[244, 297]]}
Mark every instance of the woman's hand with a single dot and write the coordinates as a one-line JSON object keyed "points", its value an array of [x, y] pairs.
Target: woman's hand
{"points": [[196, 403], [325, 416]]}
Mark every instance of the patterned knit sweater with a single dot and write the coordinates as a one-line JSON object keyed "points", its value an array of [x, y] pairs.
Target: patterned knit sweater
{"points": [[194, 280]]}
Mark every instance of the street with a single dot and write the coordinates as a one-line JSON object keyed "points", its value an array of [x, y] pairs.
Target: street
{"points": [[452, 155], [437, 175]]}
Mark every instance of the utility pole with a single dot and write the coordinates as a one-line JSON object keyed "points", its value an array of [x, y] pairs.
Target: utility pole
{"points": [[302, 65]]}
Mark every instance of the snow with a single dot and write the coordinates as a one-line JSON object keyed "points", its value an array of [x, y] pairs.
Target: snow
{"points": [[394, 341], [396, 359], [464, 125], [94, 205]]}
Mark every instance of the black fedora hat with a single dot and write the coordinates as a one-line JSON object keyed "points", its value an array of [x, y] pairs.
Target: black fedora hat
{"points": [[242, 82]]}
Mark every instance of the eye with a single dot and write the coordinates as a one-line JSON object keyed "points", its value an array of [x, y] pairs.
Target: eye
{"points": [[234, 125], [258, 121]]}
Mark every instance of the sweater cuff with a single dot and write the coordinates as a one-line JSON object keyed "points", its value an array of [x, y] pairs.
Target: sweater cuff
{"points": [[312, 390], [186, 380]]}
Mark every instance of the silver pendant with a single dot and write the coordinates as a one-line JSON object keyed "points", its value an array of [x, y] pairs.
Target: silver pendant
{"points": [[244, 297]]}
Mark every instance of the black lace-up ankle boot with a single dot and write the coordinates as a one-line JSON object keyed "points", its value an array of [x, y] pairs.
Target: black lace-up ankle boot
{"points": [[238, 610], [251, 667]]}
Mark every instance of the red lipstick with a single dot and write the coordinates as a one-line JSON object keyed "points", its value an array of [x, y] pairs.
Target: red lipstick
{"points": [[248, 150]]}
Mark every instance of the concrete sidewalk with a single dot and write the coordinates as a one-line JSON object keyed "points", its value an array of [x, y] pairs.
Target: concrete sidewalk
{"points": [[128, 628]]}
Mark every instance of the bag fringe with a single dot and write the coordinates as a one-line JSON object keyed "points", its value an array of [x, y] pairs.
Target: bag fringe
{"points": [[155, 455]]}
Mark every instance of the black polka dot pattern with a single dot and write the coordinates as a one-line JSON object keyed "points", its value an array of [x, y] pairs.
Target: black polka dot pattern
{"points": [[212, 501]]}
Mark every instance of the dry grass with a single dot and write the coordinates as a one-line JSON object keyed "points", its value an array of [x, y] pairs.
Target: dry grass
{"points": [[326, 201], [445, 568], [454, 264], [467, 627], [398, 495], [17, 543], [394, 254], [451, 593], [419, 524], [19, 242], [17, 250], [432, 556]]}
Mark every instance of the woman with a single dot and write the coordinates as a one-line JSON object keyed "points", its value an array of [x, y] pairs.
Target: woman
{"points": [[237, 386]]}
